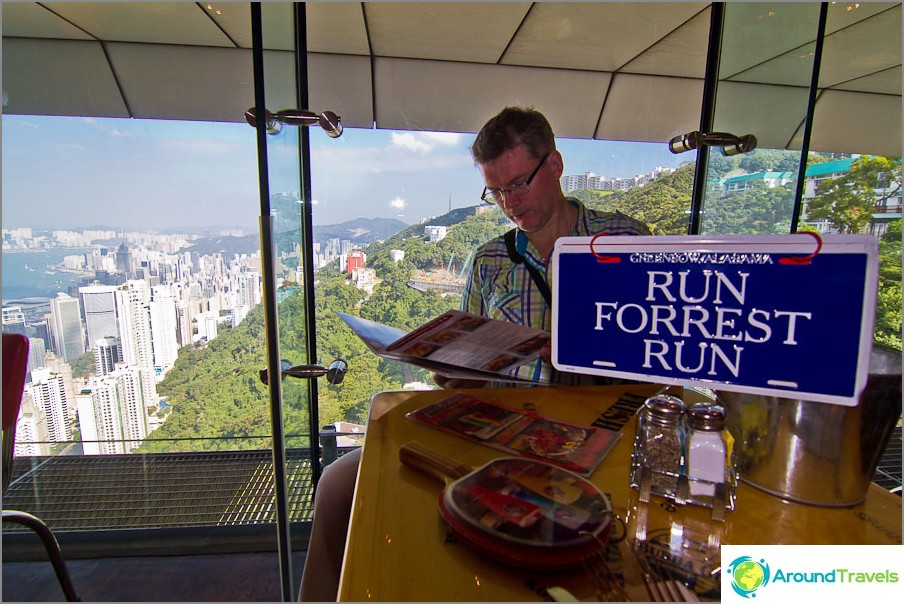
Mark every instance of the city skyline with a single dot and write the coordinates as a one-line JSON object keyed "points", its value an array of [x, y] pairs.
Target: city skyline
{"points": [[107, 172]]}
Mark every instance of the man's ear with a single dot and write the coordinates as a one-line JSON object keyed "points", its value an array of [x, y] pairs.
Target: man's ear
{"points": [[558, 165]]}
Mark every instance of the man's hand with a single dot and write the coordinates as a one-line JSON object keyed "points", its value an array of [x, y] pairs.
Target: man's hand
{"points": [[546, 353], [450, 383]]}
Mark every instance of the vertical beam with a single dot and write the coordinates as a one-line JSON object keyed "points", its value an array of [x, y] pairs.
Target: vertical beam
{"points": [[808, 123], [307, 235], [271, 325], [707, 112]]}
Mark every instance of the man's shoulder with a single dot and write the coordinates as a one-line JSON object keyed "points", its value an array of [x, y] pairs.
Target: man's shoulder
{"points": [[494, 248], [614, 223]]}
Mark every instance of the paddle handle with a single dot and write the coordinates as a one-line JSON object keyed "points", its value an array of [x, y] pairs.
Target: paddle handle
{"points": [[416, 455]]}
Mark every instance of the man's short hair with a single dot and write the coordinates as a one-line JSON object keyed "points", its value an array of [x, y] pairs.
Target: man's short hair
{"points": [[511, 127]]}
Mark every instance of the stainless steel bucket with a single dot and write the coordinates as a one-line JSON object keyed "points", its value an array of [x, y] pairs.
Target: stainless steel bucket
{"points": [[817, 453]]}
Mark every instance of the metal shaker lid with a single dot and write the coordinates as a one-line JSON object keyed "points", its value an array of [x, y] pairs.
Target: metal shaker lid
{"points": [[706, 416], [664, 408]]}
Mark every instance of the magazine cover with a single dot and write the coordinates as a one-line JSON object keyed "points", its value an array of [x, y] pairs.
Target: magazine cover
{"points": [[572, 446]]}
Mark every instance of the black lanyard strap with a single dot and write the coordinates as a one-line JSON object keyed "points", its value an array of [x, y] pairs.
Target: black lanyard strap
{"points": [[517, 258]]}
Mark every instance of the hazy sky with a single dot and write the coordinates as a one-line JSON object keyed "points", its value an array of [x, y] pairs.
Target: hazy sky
{"points": [[70, 172]]}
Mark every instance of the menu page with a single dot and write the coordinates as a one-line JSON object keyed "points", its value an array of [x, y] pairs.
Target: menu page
{"points": [[456, 344]]}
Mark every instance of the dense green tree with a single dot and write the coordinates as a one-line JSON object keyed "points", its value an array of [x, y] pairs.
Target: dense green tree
{"points": [[888, 306], [757, 210], [847, 202], [83, 365], [769, 160]]}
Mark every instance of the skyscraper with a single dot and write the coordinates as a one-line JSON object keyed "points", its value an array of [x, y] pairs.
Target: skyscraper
{"points": [[107, 352], [99, 308], [124, 261], [67, 338], [36, 352]]}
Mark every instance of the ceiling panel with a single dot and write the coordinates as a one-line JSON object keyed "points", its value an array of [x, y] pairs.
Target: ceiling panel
{"points": [[755, 32], [442, 30], [599, 36], [342, 84], [884, 82], [794, 68], [843, 14], [681, 54], [59, 77], [234, 18], [864, 48], [198, 83], [859, 131], [153, 22], [31, 20], [650, 109], [407, 91], [772, 113], [337, 27]]}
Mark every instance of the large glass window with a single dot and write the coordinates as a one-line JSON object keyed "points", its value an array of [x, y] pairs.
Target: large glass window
{"points": [[398, 215]]}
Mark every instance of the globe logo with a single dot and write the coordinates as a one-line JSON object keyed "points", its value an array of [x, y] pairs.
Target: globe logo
{"points": [[748, 575]]}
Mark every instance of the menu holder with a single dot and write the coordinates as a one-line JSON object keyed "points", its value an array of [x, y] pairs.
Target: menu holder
{"points": [[575, 447]]}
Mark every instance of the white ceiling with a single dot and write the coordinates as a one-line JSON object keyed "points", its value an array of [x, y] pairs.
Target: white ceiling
{"points": [[608, 70]]}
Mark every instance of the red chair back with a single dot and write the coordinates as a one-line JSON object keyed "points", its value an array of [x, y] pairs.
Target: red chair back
{"points": [[15, 366]]}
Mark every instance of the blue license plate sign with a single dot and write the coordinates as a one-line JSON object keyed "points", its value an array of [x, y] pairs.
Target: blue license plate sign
{"points": [[759, 314]]}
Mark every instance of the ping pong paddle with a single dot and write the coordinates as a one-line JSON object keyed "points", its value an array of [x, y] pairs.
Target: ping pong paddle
{"points": [[524, 512]]}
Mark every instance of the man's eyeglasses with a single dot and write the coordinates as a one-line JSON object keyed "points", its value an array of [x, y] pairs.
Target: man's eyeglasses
{"points": [[516, 188]]}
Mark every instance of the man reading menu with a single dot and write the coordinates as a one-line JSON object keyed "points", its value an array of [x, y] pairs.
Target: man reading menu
{"points": [[516, 154]]}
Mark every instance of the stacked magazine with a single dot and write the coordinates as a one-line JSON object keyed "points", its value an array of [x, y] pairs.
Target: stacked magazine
{"points": [[572, 446]]}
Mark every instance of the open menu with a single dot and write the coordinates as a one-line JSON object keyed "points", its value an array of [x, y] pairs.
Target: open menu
{"points": [[456, 344], [572, 446]]}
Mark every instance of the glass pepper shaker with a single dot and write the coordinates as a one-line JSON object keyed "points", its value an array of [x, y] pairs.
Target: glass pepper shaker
{"points": [[706, 457], [658, 442]]}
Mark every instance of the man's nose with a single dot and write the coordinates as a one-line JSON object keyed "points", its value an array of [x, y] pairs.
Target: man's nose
{"points": [[508, 199]]}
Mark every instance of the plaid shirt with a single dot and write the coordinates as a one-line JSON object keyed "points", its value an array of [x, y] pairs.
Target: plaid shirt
{"points": [[499, 289]]}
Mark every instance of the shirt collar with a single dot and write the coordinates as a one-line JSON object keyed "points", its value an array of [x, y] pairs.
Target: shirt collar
{"points": [[580, 227]]}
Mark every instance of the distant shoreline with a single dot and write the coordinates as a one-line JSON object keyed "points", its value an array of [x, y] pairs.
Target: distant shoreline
{"points": [[16, 250]]}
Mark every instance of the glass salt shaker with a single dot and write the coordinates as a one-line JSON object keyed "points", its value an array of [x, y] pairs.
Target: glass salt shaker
{"points": [[705, 447], [658, 443]]}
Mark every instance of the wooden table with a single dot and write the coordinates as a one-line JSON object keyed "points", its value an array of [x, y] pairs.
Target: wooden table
{"points": [[399, 550]]}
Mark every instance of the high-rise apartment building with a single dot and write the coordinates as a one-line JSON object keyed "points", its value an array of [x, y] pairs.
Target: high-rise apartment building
{"points": [[134, 319], [184, 318], [113, 411], [132, 303], [87, 422], [31, 429], [67, 339], [164, 328], [48, 392]]}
